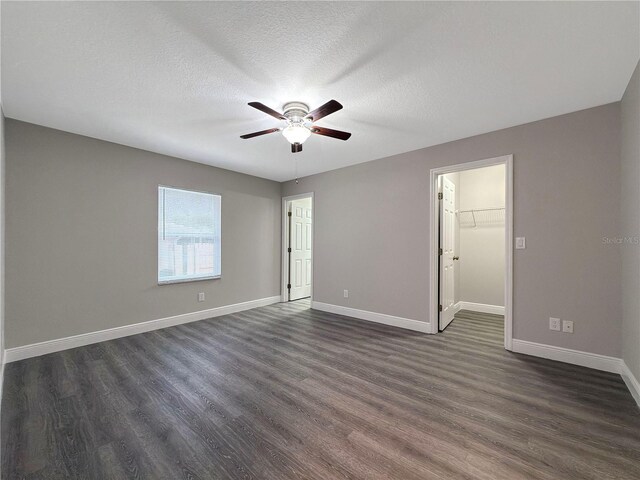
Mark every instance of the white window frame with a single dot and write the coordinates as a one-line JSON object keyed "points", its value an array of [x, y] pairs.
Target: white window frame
{"points": [[184, 280]]}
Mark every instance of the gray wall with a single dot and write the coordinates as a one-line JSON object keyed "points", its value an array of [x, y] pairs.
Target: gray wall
{"points": [[2, 230], [81, 239], [630, 228], [372, 228], [482, 249]]}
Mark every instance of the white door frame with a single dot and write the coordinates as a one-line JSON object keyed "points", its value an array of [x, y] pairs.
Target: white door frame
{"points": [[285, 234], [507, 161]]}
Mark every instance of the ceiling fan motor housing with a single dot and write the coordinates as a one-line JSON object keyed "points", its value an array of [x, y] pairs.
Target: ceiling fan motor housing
{"points": [[295, 112]]}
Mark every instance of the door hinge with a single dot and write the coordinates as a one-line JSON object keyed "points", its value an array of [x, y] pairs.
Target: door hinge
{"points": [[289, 286], [439, 195], [289, 250], [289, 214], [440, 251], [440, 308]]}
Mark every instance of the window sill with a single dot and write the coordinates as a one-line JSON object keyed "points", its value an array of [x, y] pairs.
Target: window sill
{"points": [[188, 280]]}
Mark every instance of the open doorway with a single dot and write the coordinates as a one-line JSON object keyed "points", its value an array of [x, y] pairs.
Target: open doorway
{"points": [[471, 271], [297, 242]]}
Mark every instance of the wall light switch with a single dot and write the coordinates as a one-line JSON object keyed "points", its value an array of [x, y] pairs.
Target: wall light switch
{"points": [[346, 294], [201, 297], [520, 243], [554, 324], [567, 326]]}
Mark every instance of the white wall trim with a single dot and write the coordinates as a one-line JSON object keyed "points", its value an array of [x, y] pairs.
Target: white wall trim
{"points": [[507, 161], [481, 307], [584, 359], [632, 382], [50, 346], [400, 322], [566, 355], [283, 247]]}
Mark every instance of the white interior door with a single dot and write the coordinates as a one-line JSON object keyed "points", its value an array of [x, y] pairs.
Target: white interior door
{"points": [[300, 273], [447, 243]]}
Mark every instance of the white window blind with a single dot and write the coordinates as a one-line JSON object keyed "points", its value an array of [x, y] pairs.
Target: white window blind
{"points": [[188, 235]]}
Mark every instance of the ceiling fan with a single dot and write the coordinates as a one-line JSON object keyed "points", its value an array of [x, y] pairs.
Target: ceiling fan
{"points": [[300, 121]]}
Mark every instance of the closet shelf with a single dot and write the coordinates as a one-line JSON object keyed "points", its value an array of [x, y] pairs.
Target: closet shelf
{"points": [[481, 216]]}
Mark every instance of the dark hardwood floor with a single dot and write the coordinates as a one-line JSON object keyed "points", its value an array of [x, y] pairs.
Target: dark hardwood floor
{"points": [[284, 392]]}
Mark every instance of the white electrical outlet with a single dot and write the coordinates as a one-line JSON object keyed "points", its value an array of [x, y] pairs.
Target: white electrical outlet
{"points": [[346, 294], [201, 297], [567, 326], [554, 324]]}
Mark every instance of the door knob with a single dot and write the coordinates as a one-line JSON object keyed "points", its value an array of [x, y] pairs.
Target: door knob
{"points": [[456, 258]]}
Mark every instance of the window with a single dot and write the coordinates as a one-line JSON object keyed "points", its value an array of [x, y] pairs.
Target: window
{"points": [[188, 235]]}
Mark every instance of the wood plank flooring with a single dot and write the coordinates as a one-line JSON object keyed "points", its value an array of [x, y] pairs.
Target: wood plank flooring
{"points": [[285, 392]]}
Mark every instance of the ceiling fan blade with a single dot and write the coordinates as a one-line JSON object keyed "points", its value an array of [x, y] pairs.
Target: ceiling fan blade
{"points": [[267, 110], [296, 147], [327, 132], [257, 134], [328, 108]]}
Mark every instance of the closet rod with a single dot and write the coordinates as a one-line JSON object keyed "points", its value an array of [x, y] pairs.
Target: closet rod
{"points": [[479, 210]]}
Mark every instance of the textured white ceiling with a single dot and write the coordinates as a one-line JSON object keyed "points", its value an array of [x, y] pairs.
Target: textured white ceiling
{"points": [[175, 77]]}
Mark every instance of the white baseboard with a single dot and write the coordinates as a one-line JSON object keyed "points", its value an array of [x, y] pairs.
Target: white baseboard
{"points": [[566, 355], [400, 322], [632, 382], [50, 346], [481, 307]]}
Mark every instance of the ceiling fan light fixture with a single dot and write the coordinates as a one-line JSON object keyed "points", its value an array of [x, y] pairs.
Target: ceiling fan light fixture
{"points": [[296, 133]]}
